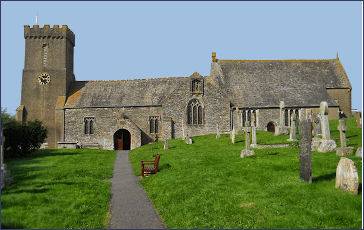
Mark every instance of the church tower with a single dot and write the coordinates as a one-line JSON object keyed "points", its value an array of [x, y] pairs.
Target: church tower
{"points": [[47, 76]]}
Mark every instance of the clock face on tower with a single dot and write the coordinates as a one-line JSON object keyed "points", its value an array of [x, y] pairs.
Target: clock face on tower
{"points": [[44, 78]]}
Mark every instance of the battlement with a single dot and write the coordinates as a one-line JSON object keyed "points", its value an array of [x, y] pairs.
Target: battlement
{"points": [[54, 32]]}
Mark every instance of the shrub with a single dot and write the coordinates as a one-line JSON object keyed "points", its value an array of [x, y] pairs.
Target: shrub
{"points": [[21, 139]]}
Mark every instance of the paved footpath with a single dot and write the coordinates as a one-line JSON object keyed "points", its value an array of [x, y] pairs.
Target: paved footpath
{"points": [[130, 206]]}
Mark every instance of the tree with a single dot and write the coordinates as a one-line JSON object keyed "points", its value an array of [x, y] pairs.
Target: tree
{"points": [[21, 139]]}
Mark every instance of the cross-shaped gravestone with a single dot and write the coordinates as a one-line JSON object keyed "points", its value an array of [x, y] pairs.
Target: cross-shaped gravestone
{"points": [[254, 137], [343, 150], [305, 150], [247, 151]]}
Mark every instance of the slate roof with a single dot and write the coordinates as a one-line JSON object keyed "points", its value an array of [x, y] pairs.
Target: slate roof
{"points": [[299, 83], [141, 92]]}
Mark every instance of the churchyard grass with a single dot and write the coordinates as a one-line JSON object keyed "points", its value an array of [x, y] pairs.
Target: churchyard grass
{"points": [[59, 189], [208, 185]]}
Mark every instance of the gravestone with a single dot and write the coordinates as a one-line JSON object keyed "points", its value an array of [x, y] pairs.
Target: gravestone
{"points": [[232, 135], [326, 144], [343, 150], [280, 129], [305, 150], [292, 130], [317, 126], [188, 140], [217, 132], [247, 151], [347, 176], [359, 153], [357, 116], [254, 137], [165, 146], [183, 130]]}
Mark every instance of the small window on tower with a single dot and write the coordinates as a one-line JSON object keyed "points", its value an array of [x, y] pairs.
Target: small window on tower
{"points": [[45, 54]]}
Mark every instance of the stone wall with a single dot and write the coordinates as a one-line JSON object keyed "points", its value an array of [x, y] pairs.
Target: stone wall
{"points": [[343, 97], [107, 122]]}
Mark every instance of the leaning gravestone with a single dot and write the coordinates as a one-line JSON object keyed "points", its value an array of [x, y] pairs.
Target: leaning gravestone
{"points": [[343, 150], [347, 176], [247, 151], [305, 150], [326, 144], [165, 146], [359, 152]]}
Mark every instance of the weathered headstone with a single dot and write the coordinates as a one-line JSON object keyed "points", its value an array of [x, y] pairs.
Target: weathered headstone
{"points": [[217, 132], [183, 130], [232, 135], [317, 126], [254, 137], [188, 140], [343, 150], [326, 144], [165, 146], [280, 129], [347, 176], [305, 150], [247, 151], [292, 130], [357, 116], [359, 152]]}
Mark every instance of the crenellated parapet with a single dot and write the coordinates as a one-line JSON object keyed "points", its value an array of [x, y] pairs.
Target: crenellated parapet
{"points": [[54, 32]]}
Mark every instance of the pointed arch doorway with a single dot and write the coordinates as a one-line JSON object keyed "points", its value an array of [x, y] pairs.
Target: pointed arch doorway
{"points": [[122, 140]]}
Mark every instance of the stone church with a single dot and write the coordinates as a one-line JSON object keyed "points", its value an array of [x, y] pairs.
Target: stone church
{"points": [[125, 114]]}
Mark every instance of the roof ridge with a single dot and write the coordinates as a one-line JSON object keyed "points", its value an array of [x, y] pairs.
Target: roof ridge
{"points": [[276, 60], [137, 79]]}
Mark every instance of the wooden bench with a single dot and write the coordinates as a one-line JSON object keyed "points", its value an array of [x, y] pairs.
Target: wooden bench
{"points": [[150, 167]]}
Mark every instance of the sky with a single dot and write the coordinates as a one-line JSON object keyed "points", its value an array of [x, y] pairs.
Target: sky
{"points": [[129, 40]]}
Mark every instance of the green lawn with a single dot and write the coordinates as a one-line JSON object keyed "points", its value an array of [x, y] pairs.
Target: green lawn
{"points": [[59, 189], [208, 185]]}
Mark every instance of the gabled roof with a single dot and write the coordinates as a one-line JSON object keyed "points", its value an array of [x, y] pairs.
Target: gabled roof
{"points": [[141, 92], [263, 83]]}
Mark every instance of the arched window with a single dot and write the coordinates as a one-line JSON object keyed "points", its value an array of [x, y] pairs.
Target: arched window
{"points": [[195, 113]]}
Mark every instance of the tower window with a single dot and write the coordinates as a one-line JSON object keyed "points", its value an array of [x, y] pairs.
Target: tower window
{"points": [[45, 55], [89, 125], [195, 113], [153, 124]]}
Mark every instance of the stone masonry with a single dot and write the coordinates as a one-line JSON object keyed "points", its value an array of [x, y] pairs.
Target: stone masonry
{"points": [[234, 92]]}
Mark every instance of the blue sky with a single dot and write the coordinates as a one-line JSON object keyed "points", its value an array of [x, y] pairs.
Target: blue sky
{"points": [[125, 40]]}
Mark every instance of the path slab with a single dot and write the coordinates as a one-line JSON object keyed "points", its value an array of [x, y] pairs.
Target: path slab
{"points": [[130, 206]]}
